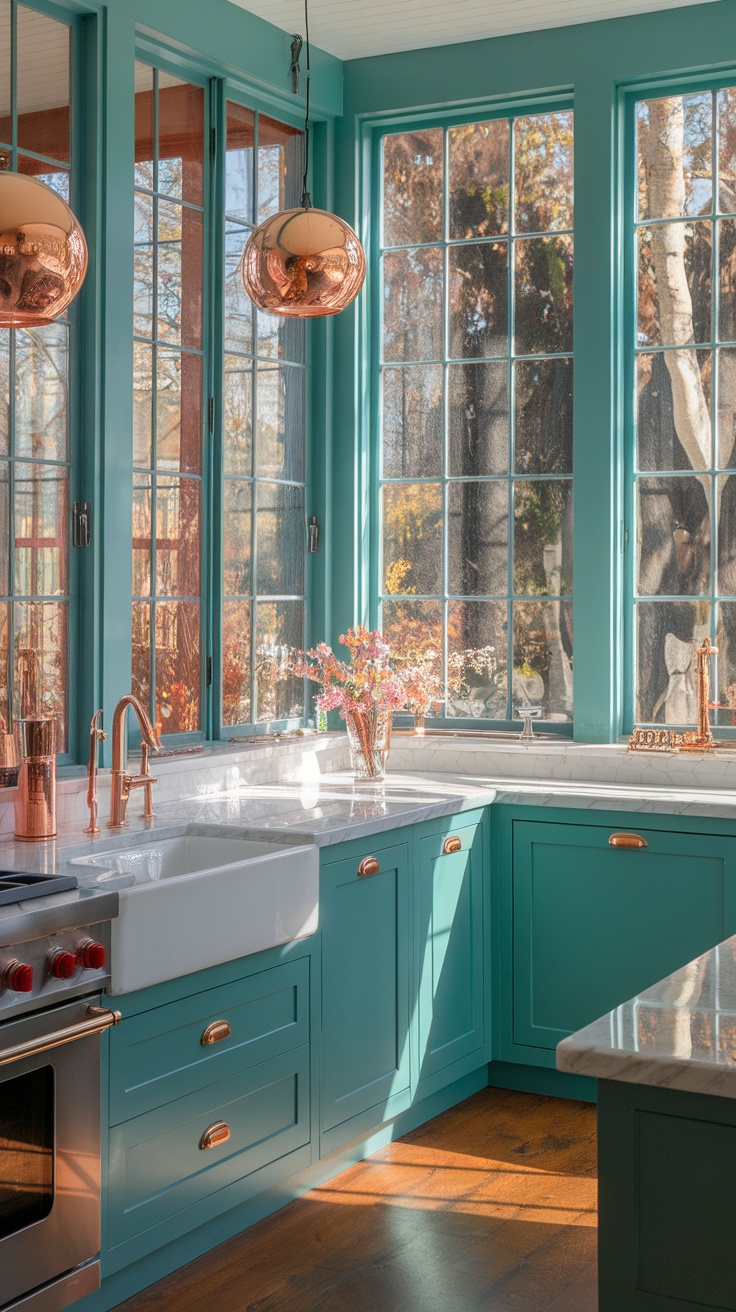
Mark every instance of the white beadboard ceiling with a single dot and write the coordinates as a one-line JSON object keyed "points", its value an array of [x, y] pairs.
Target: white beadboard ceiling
{"points": [[351, 29]]}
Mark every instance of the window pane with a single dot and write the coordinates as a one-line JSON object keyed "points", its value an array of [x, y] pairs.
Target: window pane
{"points": [[238, 305], [281, 539], [41, 395], [237, 422], [142, 525], [412, 538], [40, 508], [177, 666], [727, 299], [280, 423], [239, 161], [543, 417], [412, 278], [40, 653], [236, 662], [478, 294], [668, 633], [141, 678], [726, 644], [480, 170], [661, 376], [279, 629], [4, 531], [178, 536], [726, 490], [677, 257], [477, 661], [6, 127], [669, 565], [179, 274], [144, 144], [543, 653], [142, 405], [280, 338], [178, 410], [236, 537], [43, 83], [727, 409], [413, 629], [727, 150], [543, 538], [280, 166], [543, 277], [5, 390], [674, 137], [143, 266], [412, 422], [412, 188], [478, 418], [4, 640], [180, 139], [478, 538], [543, 172]]}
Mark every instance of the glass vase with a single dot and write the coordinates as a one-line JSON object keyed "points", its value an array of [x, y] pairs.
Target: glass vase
{"points": [[369, 738]]}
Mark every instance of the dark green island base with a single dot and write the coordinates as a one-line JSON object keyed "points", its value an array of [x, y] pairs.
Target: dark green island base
{"points": [[667, 1199]]}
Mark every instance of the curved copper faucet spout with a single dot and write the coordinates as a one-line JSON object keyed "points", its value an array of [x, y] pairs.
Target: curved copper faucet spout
{"points": [[122, 783]]}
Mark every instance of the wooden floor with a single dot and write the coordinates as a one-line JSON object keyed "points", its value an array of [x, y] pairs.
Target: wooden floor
{"points": [[489, 1206]]}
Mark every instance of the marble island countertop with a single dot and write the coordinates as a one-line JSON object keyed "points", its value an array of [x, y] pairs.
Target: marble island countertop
{"points": [[679, 1034]]}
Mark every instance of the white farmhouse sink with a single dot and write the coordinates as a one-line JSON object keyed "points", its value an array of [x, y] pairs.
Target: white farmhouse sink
{"points": [[194, 901]]}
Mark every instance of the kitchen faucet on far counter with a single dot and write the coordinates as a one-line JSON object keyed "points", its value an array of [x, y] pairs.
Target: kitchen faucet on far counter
{"points": [[122, 782]]}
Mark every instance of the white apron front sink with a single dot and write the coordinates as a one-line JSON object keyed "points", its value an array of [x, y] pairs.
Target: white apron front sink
{"points": [[194, 901]]}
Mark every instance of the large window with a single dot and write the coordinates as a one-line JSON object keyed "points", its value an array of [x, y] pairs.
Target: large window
{"points": [[35, 426], [476, 410], [684, 388]]}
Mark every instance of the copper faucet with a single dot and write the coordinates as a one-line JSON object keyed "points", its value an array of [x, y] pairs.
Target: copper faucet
{"points": [[122, 782], [97, 735]]}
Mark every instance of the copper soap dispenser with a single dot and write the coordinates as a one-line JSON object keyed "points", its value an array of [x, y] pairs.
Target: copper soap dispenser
{"points": [[35, 796]]}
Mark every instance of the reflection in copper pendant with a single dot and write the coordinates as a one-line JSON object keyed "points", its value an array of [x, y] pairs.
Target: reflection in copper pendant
{"points": [[303, 263], [43, 254]]}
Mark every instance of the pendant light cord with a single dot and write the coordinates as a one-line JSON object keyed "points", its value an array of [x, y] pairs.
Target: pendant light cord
{"points": [[306, 200]]}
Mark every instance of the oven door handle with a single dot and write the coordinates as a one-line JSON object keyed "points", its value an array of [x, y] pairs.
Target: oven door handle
{"points": [[100, 1019]]}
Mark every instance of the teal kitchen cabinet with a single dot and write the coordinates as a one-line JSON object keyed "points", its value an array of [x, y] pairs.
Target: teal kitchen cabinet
{"points": [[587, 925], [210, 1099], [452, 895], [367, 995]]}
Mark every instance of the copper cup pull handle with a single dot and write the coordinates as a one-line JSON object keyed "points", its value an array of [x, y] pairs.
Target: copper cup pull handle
{"points": [[368, 866], [215, 1135], [451, 844], [216, 1032], [627, 840]]}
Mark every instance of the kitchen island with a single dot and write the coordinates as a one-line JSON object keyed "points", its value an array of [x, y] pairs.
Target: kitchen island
{"points": [[666, 1068]]}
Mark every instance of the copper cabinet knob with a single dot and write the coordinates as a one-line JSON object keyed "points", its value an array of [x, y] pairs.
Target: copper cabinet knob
{"points": [[627, 840], [216, 1032], [215, 1135], [452, 844], [368, 866]]}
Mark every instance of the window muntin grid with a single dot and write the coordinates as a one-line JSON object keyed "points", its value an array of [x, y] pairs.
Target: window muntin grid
{"points": [[475, 374], [264, 449], [35, 387], [684, 368]]}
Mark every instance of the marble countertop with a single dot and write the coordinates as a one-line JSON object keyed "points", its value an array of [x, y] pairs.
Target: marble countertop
{"points": [[679, 1034]]}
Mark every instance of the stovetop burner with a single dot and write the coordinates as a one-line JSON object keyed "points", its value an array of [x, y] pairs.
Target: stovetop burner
{"points": [[15, 887]]}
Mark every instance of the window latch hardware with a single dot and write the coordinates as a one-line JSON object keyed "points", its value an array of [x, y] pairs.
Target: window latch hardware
{"points": [[313, 535], [81, 524]]}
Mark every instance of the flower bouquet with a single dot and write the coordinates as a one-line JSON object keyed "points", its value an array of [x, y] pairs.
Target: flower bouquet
{"points": [[364, 689], [422, 685]]}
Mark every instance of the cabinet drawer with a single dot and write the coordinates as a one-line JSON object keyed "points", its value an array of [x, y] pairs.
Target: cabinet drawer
{"points": [[158, 1056], [158, 1169]]}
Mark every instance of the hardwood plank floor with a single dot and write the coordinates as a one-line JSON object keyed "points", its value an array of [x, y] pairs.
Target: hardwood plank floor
{"points": [[490, 1207]]}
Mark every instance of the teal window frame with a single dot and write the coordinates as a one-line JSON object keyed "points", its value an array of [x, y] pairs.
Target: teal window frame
{"points": [[631, 94], [374, 130]]}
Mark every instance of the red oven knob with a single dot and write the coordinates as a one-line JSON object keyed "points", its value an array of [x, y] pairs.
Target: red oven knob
{"points": [[18, 977], [62, 965], [91, 955]]}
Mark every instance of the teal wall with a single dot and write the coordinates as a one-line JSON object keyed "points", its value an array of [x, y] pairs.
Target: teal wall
{"points": [[594, 62]]}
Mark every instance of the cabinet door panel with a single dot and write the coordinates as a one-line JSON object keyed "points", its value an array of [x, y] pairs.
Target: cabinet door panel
{"points": [[450, 889], [594, 924], [365, 986]]}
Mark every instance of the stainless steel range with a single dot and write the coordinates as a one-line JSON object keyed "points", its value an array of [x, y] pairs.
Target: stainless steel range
{"points": [[54, 951]]}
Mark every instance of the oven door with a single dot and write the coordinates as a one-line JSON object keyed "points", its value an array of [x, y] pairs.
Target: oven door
{"points": [[50, 1155]]}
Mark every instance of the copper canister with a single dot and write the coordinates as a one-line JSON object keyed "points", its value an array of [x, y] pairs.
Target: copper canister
{"points": [[35, 797]]}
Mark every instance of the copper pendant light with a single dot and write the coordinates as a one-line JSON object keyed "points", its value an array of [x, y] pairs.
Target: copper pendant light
{"points": [[303, 263], [43, 254]]}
